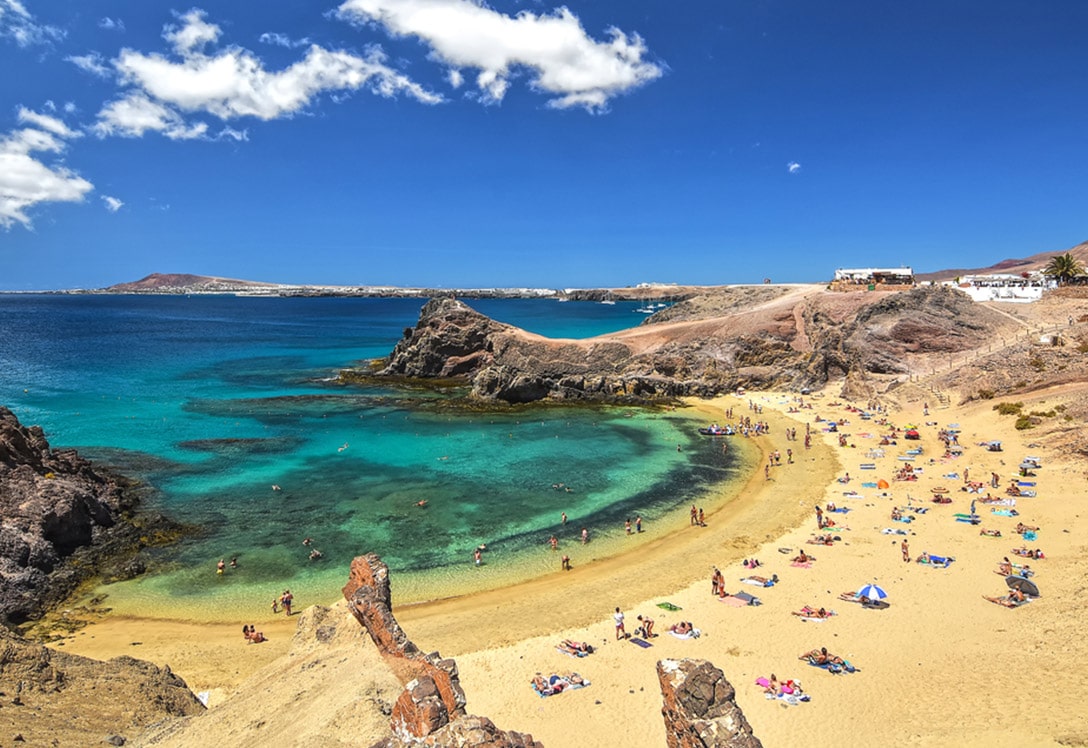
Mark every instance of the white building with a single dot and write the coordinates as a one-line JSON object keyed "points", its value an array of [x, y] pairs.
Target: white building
{"points": [[1003, 287]]}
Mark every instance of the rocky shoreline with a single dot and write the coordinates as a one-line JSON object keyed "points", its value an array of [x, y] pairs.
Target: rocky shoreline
{"points": [[65, 521]]}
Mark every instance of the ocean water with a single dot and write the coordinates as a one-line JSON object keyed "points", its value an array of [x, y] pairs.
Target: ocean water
{"points": [[212, 401]]}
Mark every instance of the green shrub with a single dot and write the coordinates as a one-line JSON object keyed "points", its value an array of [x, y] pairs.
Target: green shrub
{"points": [[985, 394], [1037, 363], [1024, 422], [1008, 409]]}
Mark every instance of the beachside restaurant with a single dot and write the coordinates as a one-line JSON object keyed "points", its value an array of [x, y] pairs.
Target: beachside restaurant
{"points": [[873, 279]]}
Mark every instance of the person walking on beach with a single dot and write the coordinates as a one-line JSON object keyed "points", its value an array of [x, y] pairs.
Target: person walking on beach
{"points": [[694, 515], [275, 605], [819, 518], [566, 563], [702, 518], [478, 557], [789, 456], [767, 471], [906, 551], [627, 525], [286, 601], [618, 618], [638, 523]]}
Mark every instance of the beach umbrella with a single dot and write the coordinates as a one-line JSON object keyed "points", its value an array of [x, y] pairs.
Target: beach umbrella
{"points": [[1023, 584], [873, 592]]}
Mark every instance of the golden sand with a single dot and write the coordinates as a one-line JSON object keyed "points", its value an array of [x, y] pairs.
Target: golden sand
{"points": [[940, 666]]}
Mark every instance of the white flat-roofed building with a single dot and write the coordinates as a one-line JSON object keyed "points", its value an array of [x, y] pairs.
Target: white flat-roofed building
{"points": [[1004, 287], [872, 279]]}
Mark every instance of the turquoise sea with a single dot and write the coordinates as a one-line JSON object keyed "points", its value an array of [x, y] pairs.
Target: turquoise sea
{"points": [[213, 400]]}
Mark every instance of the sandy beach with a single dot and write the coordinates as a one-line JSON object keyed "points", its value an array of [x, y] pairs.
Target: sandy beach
{"points": [[939, 666]]}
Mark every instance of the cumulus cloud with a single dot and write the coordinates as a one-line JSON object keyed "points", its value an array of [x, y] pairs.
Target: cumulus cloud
{"points": [[565, 62], [112, 203], [27, 180], [111, 24], [90, 63], [17, 23], [234, 83], [282, 40], [793, 167], [455, 78]]}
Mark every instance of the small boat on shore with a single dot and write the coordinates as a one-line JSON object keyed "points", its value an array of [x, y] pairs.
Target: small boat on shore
{"points": [[717, 430]]}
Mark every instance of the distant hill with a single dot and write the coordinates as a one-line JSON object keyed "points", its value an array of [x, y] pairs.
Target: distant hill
{"points": [[1025, 265], [185, 282]]}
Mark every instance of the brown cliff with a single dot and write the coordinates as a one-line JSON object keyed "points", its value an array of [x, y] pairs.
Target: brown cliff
{"points": [[62, 519], [762, 338], [431, 709], [55, 698], [700, 709]]}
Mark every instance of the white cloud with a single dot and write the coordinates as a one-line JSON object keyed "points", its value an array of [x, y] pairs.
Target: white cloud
{"points": [[232, 134], [111, 24], [47, 123], [282, 40], [18, 24], [234, 83], [455, 78], [112, 203], [566, 63], [793, 167], [91, 63], [26, 181], [133, 115]]}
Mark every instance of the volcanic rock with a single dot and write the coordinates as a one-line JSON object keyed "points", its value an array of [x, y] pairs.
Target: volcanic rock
{"points": [[700, 709]]}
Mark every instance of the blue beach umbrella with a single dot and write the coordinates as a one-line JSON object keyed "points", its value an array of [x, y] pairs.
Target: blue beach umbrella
{"points": [[872, 592]]}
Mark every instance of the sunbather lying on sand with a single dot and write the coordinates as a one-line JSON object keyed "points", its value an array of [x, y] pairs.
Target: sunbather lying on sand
{"points": [[822, 657], [929, 558], [809, 612], [1011, 600], [1021, 528], [683, 628], [802, 557], [761, 581], [1005, 567], [821, 540], [991, 533], [776, 688], [556, 683], [578, 649], [1028, 553]]}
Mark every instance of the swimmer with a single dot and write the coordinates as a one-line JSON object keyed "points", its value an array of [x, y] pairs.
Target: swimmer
{"points": [[220, 567], [421, 503], [275, 487]]}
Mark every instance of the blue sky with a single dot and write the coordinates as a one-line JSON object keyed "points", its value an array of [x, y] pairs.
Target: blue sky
{"points": [[453, 143]]}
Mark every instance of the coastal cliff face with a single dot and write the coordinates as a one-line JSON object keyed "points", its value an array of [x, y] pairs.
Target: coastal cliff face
{"points": [[61, 519], [705, 346], [700, 708]]}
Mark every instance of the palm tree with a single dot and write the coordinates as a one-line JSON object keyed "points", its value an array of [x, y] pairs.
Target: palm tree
{"points": [[1064, 267]]}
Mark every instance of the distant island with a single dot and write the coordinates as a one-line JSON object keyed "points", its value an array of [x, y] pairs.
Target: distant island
{"points": [[191, 284]]}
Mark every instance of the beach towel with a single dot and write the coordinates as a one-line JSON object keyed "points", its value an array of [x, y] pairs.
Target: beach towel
{"points": [[1005, 512], [748, 599], [812, 619], [936, 561], [669, 606], [867, 484], [855, 494], [834, 668], [1028, 494], [568, 653], [905, 458], [969, 520], [1030, 535], [840, 510], [693, 634], [952, 476], [799, 565], [1025, 483], [890, 531], [640, 642], [907, 520], [734, 602], [793, 699], [867, 466]]}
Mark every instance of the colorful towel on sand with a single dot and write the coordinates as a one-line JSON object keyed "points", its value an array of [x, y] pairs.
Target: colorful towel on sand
{"points": [[669, 606], [640, 642], [693, 634], [890, 531], [734, 602], [799, 565], [867, 466], [867, 484], [834, 668]]}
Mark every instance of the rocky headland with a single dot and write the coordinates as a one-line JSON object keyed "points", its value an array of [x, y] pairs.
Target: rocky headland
{"points": [[63, 521], [789, 338]]}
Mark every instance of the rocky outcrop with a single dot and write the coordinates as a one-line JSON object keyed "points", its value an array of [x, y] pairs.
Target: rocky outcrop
{"points": [[61, 519], [431, 709], [700, 710], [55, 698], [753, 338]]}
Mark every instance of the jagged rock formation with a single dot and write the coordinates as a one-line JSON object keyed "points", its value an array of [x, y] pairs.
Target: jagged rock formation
{"points": [[801, 338], [700, 710], [431, 709], [55, 698], [61, 518]]}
